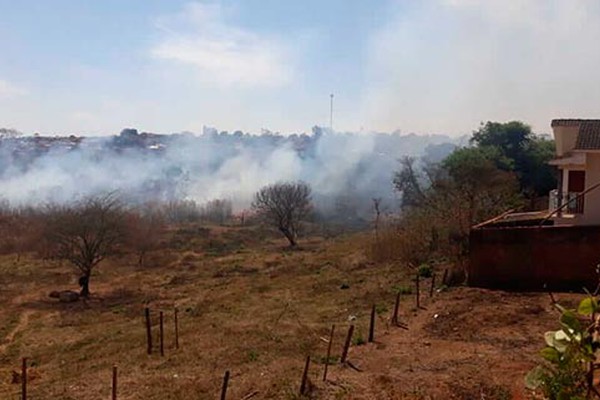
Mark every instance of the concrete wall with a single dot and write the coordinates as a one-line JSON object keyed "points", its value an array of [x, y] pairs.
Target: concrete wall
{"points": [[565, 137], [527, 258], [591, 210]]}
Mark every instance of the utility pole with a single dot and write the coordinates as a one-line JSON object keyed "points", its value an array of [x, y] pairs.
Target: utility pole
{"points": [[331, 112]]}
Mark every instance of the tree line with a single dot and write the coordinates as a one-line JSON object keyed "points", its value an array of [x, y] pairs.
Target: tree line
{"points": [[505, 167], [86, 232]]}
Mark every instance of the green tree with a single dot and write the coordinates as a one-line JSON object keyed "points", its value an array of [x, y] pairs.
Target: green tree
{"points": [[511, 138], [451, 197], [409, 183], [520, 151], [537, 176], [485, 189]]}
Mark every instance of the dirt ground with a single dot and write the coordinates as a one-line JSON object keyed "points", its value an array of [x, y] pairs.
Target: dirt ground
{"points": [[466, 344], [248, 305]]}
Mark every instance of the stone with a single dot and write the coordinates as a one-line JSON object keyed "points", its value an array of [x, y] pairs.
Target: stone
{"points": [[68, 296], [64, 296]]}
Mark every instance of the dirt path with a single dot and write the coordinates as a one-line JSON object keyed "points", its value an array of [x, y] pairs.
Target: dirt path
{"points": [[20, 326]]}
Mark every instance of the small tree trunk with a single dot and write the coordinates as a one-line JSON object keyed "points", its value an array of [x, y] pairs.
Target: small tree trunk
{"points": [[84, 282], [292, 241], [289, 236], [141, 255]]}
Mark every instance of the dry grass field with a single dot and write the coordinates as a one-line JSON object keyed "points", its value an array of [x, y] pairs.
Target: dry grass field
{"points": [[250, 305]]}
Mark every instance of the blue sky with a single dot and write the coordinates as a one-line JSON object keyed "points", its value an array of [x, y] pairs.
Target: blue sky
{"points": [[432, 66]]}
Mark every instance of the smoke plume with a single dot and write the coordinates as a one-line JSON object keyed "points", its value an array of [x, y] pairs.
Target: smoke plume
{"points": [[345, 170]]}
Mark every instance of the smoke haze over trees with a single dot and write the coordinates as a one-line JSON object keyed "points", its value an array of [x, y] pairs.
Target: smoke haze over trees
{"points": [[345, 170]]}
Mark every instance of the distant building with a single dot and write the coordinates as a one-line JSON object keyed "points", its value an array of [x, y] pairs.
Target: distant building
{"points": [[578, 161]]}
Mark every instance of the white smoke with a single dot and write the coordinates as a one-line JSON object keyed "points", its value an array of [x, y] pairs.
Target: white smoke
{"points": [[151, 168]]}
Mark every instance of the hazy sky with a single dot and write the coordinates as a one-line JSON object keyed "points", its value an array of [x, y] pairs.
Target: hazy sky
{"points": [[438, 66]]}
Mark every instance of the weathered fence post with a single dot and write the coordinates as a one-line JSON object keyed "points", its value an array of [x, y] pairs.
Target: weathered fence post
{"points": [[148, 331], [176, 328], [432, 288], [396, 307], [24, 379], [114, 383], [347, 344], [328, 352], [162, 334], [304, 376], [225, 384], [417, 297], [372, 325]]}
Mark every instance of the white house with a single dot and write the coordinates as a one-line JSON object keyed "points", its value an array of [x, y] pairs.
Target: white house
{"points": [[578, 161]]}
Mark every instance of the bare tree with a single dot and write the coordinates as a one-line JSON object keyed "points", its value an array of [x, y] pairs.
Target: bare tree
{"points": [[284, 205], [19, 230], [377, 209], [86, 232], [144, 232], [217, 210]]}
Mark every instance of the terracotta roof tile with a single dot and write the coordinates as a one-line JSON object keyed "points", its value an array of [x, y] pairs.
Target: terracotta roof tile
{"points": [[566, 122], [589, 135]]}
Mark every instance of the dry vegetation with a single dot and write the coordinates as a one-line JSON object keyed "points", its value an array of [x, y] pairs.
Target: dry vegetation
{"points": [[250, 305]]}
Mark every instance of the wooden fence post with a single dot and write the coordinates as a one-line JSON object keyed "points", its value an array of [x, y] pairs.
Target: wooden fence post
{"points": [[24, 379], [304, 376], [162, 334], [432, 288], [417, 297], [176, 328], [396, 307], [114, 383], [328, 352], [148, 331], [225, 384], [347, 344], [372, 325]]}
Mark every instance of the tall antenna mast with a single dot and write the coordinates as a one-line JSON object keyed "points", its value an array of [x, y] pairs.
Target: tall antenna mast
{"points": [[331, 112]]}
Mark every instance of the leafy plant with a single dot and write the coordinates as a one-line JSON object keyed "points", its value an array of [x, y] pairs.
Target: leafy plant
{"points": [[570, 354]]}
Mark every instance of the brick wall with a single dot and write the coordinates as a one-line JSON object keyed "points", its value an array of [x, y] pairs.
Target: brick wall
{"points": [[526, 258]]}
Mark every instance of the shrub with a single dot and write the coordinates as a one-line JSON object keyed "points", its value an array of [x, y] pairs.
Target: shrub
{"points": [[569, 356], [425, 271]]}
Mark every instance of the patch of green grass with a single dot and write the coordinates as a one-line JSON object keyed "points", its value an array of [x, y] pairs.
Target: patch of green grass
{"points": [[252, 355], [358, 339], [402, 289], [331, 361], [381, 309]]}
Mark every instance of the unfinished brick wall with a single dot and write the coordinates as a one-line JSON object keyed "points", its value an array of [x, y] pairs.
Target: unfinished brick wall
{"points": [[526, 258]]}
